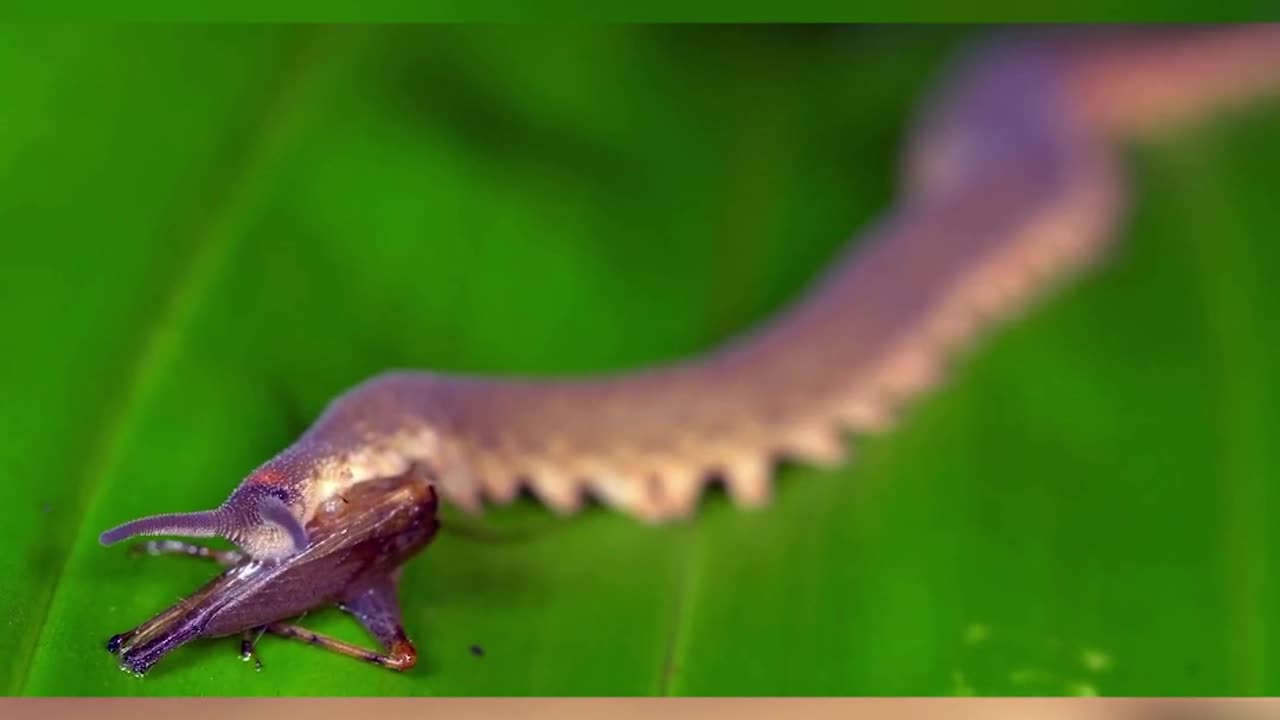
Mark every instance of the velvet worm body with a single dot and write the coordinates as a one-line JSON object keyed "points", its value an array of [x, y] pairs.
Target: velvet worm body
{"points": [[1011, 183]]}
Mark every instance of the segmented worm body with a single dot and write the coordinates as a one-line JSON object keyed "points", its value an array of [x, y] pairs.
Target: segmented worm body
{"points": [[1011, 182]]}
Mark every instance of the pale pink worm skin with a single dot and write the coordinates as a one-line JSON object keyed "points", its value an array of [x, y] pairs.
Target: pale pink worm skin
{"points": [[1011, 183]]}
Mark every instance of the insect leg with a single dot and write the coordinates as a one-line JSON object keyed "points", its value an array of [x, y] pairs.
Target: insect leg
{"points": [[377, 609], [297, 632], [154, 548], [249, 646]]}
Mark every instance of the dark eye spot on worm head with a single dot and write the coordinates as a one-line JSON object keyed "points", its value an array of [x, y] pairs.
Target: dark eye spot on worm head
{"points": [[477, 650]]}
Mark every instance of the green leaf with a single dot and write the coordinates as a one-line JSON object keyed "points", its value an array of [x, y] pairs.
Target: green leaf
{"points": [[211, 232]]}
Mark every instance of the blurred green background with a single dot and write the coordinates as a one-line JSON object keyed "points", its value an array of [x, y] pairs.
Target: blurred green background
{"points": [[209, 232]]}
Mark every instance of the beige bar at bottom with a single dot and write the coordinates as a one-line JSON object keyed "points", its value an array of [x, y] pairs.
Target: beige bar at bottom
{"points": [[635, 709]]}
